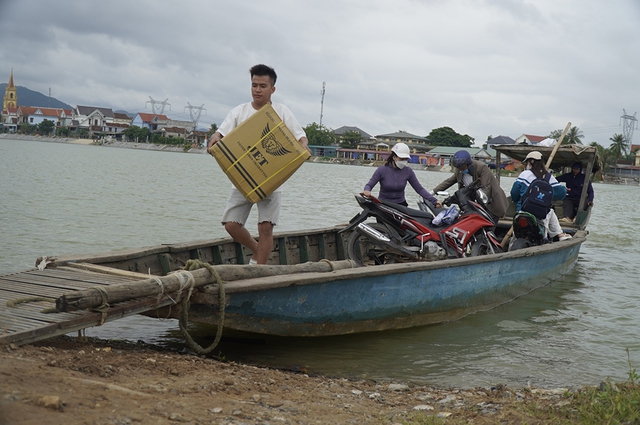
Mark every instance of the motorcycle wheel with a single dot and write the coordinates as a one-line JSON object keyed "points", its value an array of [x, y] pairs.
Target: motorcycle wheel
{"points": [[519, 243], [364, 251], [481, 246]]}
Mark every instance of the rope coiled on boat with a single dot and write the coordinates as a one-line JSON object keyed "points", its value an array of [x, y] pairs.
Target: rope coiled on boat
{"points": [[184, 303]]}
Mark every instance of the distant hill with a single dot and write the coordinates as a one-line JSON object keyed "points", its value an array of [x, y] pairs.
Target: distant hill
{"points": [[28, 97]]}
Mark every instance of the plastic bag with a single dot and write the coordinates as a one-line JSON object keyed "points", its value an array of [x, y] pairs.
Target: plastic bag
{"points": [[446, 217], [434, 251], [451, 214]]}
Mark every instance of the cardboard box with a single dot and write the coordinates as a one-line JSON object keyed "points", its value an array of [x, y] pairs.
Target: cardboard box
{"points": [[260, 154]]}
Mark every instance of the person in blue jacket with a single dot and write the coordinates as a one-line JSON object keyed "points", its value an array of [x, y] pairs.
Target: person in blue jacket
{"points": [[575, 182], [534, 169]]}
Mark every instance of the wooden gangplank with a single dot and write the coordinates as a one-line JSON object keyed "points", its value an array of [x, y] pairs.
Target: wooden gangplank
{"points": [[30, 321]]}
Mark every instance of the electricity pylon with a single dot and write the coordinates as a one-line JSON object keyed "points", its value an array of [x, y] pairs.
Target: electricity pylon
{"points": [[162, 104], [195, 116], [629, 123], [322, 103]]}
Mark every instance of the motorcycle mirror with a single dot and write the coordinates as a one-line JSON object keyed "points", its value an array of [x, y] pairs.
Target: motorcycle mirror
{"points": [[443, 193], [482, 196]]}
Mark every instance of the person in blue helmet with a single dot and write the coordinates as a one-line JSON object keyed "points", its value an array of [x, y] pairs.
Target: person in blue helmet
{"points": [[393, 177], [467, 170]]}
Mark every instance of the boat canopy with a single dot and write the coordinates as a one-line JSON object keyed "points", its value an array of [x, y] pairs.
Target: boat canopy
{"points": [[565, 156]]}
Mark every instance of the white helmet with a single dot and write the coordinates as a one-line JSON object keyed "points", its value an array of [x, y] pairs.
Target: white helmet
{"points": [[401, 150]]}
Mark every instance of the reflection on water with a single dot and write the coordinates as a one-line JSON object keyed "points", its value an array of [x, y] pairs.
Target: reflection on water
{"points": [[60, 199]]}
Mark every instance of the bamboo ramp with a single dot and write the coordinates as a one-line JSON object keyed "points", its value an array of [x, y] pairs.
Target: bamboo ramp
{"points": [[38, 304], [27, 299]]}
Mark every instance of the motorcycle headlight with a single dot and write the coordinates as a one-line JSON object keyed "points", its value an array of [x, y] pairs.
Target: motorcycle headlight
{"points": [[481, 196]]}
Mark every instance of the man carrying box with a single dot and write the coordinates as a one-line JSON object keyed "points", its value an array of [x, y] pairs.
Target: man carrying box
{"points": [[236, 213]]}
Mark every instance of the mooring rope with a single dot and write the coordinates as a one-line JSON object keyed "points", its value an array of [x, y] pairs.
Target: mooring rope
{"points": [[14, 303], [184, 303], [104, 307]]}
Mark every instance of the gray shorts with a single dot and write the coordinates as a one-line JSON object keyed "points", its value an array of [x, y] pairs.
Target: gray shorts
{"points": [[238, 208]]}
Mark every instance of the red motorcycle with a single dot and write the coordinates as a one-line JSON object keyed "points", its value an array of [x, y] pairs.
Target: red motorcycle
{"points": [[401, 234]]}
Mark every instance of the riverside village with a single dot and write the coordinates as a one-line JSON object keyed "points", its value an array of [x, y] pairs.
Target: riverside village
{"points": [[347, 144]]}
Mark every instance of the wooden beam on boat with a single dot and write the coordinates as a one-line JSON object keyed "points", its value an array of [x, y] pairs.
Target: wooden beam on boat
{"points": [[107, 270], [94, 297]]}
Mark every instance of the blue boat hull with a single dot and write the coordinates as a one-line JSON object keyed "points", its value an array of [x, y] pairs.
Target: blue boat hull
{"points": [[385, 297]]}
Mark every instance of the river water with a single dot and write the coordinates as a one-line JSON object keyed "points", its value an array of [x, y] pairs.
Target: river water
{"points": [[62, 198]]}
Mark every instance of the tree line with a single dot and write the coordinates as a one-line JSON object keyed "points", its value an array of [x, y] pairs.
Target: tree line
{"points": [[320, 135], [620, 148]]}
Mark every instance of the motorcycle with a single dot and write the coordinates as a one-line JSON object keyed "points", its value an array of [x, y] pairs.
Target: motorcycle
{"points": [[527, 231], [403, 234]]}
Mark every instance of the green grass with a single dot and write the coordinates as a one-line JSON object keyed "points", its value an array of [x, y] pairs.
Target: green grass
{"points": [[610, 403], [607, 404]]}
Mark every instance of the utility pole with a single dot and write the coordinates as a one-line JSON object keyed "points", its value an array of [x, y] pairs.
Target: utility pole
{"points": [[628, 122], [195, 116], [322, 103], [162, 104]]}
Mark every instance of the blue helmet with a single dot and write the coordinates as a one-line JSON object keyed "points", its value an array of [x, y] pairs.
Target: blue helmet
{"points": [[460, 158]]}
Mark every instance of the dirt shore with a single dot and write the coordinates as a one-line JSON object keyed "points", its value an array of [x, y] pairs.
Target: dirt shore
{"points": [[67, 381]]}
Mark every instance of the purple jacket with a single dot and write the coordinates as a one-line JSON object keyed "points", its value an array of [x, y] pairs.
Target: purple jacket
{"points": [[393, 182]]}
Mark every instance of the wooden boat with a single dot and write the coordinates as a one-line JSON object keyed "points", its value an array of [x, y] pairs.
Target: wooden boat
{"points": [[310, 289], [332, 302]]}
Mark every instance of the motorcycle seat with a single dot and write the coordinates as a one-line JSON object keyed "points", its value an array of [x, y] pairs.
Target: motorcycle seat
{"points": [[411, 211]]}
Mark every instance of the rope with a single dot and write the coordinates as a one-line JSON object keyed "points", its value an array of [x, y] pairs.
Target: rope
{"points": [[160, 294], [184, 303], [14, 303], [330, 263], [104, 307]]}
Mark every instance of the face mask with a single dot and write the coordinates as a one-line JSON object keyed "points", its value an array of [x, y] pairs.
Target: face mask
{"points": [[401, 164], [465, 171], [528, 166]]}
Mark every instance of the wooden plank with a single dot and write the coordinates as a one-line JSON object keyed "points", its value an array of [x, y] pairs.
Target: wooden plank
{"points": [[108, 270], [34, 313], [84, 320], [166, 263], [10, 322], [241, 257], [66, 278], [283, 253], [322, 246], [112, 256], [217, 254], [340, 246], [303, 243], [34, 291]]}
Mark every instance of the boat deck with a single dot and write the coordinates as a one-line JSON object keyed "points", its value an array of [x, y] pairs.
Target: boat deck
{"points": [[27, 302]]}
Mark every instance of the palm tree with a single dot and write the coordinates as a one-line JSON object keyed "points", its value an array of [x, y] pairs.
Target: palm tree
{"points": [[618, 146], [573, 137], [605, 157]]}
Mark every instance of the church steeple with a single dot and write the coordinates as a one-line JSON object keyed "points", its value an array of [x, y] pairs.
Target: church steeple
{"points": [[10, 95]]}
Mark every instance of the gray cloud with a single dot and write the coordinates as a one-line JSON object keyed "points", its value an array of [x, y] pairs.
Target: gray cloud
{"points": [[483, 68]]}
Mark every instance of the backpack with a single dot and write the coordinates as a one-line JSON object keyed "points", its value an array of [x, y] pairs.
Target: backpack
{"points": [[538, 197]]}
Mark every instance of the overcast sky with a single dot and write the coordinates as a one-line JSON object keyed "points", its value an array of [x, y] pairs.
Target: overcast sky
{"points": [[492, 67]]}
